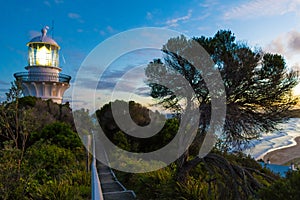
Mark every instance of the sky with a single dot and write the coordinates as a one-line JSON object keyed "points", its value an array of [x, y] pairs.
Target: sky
{"points": [[80, 26]]}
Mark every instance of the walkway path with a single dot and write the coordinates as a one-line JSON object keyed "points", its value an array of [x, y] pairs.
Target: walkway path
{"points": [[112, 189]]}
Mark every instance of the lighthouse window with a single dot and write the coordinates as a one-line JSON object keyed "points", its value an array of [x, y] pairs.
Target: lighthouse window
{"points": [[43, 56], [54, 93], [31, 56]]}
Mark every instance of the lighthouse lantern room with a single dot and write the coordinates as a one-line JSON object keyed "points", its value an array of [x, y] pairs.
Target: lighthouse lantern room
{"points": [[43, 78]]}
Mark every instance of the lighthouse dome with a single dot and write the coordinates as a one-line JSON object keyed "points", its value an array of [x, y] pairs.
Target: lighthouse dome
{"points": [[43, 38]]}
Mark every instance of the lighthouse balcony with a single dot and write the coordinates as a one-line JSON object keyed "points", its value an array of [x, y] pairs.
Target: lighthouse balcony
{"points": [[42, 77]]}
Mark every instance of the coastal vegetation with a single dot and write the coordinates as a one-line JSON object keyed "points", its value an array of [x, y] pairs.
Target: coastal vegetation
{"points": [[258, 91], [219, 175], [42, 157]]}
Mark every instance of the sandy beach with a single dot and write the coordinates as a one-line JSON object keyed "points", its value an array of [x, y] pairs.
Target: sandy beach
{"points": [[281, 156]]}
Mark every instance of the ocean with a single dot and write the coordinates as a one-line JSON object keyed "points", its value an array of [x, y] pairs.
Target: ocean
{"points": [[282, 138]]}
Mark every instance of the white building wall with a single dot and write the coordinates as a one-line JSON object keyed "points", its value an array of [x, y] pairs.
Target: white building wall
{"points": [[45, 90]]}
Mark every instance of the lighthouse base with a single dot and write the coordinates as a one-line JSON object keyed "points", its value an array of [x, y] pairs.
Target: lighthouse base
{"points": [[45, 90]]}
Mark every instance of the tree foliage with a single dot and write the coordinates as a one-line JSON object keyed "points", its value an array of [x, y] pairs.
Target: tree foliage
{"points": [[201, 183], [60, 134], [141, 116], [138, 113], [41, 157], [287, 188], [258, 90], [258, 85], [13, 119]]}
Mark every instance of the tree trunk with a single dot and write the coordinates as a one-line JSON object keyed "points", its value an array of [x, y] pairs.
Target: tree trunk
{"points": [[183, 172]]}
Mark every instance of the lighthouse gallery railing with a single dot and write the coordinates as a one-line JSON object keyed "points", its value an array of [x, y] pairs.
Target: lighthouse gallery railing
{"points": [[42, 76]]}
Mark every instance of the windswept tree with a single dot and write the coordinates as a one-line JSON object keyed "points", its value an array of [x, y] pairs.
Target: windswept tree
{"points": [[15, 122], [10, 115], [258, 89]]}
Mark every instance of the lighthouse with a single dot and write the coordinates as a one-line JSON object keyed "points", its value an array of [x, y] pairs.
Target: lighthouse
{"points": [[43, 78]]}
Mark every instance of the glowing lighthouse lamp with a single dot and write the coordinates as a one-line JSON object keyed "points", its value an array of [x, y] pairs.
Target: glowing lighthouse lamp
{"points": [[43, 78], [43, 56]]}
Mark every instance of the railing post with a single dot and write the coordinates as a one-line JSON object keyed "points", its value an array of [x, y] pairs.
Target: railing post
{"points": [[35, 76], [96, 186]]}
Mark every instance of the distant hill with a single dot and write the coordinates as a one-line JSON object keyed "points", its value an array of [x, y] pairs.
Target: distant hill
{"points": [[295, 113]]}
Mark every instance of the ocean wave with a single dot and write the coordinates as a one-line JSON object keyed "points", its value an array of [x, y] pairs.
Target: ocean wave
{"points": [[284, 137]]}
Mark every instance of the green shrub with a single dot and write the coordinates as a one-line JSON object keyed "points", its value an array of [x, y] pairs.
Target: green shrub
{"points": [[60, 134], [50, 160], [287, 188]]}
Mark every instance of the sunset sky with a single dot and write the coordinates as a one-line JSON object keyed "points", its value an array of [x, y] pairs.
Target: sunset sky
{"points": [[79, 26]]}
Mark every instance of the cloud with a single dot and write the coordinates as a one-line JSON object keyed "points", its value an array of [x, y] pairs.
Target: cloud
{"points": [[47, 3], [110, 29], [59, 1], [115, 83], [102, 32], [4, 83], [75, 16], [175, 22], [106, 85], [276, 45], [208, 3], [87, 83], [109, 78], [33, 33], [258, 8], [127, 79], [203, 28], [288, 45], [4, 90], [149, 16], [143, 91], [287, 42], [2, 98], [294, 40]]}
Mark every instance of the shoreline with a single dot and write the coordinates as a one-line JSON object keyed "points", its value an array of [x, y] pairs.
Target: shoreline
{"points": [[285, 154], [283, 138], [292, 142]]}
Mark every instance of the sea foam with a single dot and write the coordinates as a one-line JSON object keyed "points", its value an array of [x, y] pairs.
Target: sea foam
{"points": [[284, 137]]}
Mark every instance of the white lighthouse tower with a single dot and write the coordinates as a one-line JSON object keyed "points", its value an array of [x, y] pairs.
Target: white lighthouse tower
{"points": [[43, 78]]}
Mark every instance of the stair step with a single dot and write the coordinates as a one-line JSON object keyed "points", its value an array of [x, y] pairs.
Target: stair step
{"points": [[106, 178], [111, 187], [126, 195]]}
